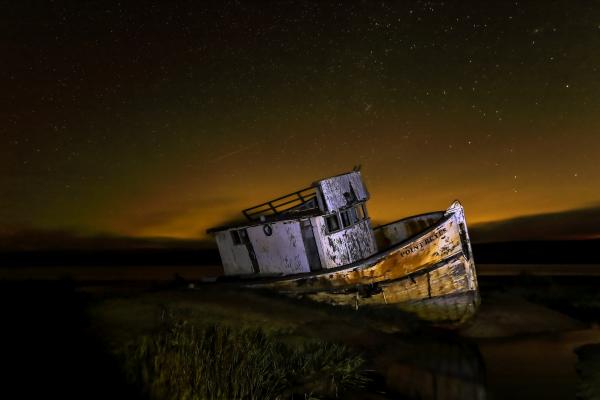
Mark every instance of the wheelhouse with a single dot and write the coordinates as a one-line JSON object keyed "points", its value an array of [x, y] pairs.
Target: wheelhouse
{"points": [[324, 226]]}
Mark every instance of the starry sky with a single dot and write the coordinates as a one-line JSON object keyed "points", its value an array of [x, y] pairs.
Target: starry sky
{"points": [[164, 118]]}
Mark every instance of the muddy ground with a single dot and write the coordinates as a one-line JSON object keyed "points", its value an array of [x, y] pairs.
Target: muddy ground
{"points": [[59, 337]]}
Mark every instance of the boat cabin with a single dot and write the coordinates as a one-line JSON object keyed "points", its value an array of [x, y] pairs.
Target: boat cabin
{"points": [[323, 226]]}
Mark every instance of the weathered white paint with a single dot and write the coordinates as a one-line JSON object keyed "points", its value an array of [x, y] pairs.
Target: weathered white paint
{"points": [[235, 258], [352, 244], [458, 212], [283, 251], [333, 189], [396, 232], [431, 274], [442, 242]]}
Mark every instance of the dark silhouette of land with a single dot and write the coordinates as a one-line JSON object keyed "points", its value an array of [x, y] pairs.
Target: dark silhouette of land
{"points": [[538, 252], [49, 348]]}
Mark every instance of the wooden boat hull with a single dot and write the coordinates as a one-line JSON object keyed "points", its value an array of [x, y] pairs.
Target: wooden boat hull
{"points": [[431, 274]]}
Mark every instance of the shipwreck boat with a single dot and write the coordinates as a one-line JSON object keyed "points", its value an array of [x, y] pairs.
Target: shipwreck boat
{"points": [[318, 243]]}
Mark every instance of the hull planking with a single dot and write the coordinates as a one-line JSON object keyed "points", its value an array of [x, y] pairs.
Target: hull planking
{"points": [[431, 274]]}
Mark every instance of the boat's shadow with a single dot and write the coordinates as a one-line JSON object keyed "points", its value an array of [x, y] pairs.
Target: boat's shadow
{"points": [[406, 357]]}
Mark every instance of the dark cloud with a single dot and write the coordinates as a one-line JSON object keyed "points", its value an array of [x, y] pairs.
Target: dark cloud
{"points": [[40, 239], [582, 223], [145, 219]]}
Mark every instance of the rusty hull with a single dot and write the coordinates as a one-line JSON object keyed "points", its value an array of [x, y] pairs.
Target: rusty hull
{"points": [[431, 275]]}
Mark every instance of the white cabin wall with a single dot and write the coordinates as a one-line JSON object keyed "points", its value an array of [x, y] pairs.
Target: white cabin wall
{"points": [[333, 190], [283, 251], [346, 246], [235, 258]]}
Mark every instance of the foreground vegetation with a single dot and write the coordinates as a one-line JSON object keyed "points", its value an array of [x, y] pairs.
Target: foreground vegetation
{"points": [[588, 369], [183, 361]]}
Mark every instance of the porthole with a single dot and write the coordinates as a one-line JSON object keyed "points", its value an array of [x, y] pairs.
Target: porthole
{"points": [[267, 230]]}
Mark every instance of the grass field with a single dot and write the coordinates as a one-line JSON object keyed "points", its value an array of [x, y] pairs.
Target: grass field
{"points": [[160, 341]]}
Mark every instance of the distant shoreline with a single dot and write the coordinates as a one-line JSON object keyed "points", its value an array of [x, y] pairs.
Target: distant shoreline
{"points": [[538, 269]]}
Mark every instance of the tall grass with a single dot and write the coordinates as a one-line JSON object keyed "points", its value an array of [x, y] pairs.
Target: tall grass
{"points": [[184, 362], [588, 369]]}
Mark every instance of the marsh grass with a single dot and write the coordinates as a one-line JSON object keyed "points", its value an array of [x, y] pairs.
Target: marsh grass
{"points": [[588, 369], [182, 361]]}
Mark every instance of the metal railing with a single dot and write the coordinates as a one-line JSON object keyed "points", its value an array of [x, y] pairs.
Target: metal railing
{"points": [[281, 204]]}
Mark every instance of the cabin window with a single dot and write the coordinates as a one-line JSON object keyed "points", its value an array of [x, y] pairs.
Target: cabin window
{"points": [[354, 215], [333, 224], [346, 219], [235, 236], [360, 211]]}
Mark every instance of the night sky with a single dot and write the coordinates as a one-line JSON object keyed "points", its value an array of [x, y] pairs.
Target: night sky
{"points": [[164, 119]]}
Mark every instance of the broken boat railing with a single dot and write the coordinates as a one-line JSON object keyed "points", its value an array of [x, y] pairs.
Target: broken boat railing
{"points": [[281, 204]]}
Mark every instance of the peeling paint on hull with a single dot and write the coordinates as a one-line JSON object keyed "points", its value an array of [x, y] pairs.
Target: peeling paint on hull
{"points": [[431, 274]]}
